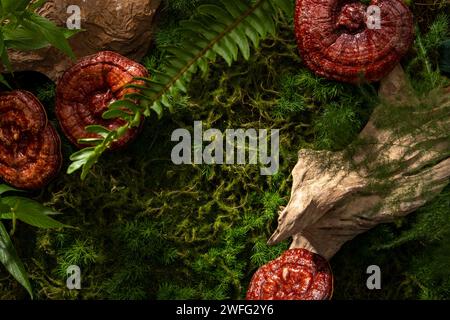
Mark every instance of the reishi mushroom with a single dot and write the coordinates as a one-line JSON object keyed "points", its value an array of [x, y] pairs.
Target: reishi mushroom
{"points": [[30, 149], [298, 274], [336, 41], [85, 90]]}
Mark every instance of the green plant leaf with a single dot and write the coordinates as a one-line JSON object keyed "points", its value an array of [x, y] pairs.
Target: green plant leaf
{"points": [[115, 113], [76, 165], [100, 130], [11, 261], [82, 154], [5, 59], [4, 188], [4, 82], [90, 141], [88, 165], [4, 208], [37, 4], [31, 212], [54, 35], [9, 5], [23, 38], [23, 4], [119, 104]]}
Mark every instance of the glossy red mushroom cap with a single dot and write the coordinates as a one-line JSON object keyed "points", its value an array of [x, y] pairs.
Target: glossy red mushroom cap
{"points": [[30, 149], [85, 91], [298, 274], [339, 40]]}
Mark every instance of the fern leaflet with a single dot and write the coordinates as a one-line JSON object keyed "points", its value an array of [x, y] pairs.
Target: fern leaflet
{"points": [[224, 30]]}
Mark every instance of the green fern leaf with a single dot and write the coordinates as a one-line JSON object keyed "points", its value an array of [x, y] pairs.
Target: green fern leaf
{"points": [[224, 29], [218, 30]]}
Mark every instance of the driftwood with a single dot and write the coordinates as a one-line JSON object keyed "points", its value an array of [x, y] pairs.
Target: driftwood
{"points": [[400, 161]]}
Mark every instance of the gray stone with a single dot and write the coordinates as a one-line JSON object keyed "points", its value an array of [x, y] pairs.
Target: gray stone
{"points": [[121, 26]]}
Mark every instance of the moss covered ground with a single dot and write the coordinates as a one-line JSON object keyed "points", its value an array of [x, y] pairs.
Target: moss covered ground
{"points": [[148, 229]]}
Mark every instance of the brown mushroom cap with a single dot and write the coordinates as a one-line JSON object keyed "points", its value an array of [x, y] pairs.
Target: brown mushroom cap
{"points": [[298, 274], [336, 43], [85, 91], [30, 149]]}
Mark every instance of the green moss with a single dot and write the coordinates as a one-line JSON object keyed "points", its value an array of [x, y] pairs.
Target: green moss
{"points": [[148, 229], [412, 254]]}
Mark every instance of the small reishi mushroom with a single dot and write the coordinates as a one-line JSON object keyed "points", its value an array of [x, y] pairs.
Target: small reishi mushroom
{"points": [[30, 148], [298, 274], [84, 92], [336, 41]]}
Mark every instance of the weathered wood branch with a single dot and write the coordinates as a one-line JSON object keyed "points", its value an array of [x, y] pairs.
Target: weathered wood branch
{"points": [[400, 161]]}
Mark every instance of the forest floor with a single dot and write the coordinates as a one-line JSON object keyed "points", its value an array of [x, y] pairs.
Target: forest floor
{"points": [[149, 229]]}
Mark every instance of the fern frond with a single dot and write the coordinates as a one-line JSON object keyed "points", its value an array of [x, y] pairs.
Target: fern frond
{"points": [[214, 31], [225, 30]]}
